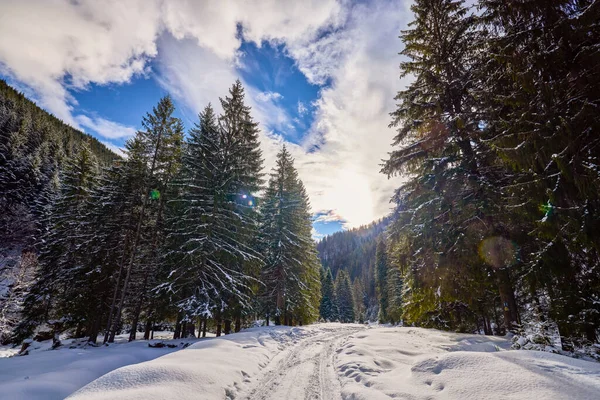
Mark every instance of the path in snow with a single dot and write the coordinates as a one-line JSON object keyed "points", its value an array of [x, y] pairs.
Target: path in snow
{"points": [[304, 371], [323, 361]]}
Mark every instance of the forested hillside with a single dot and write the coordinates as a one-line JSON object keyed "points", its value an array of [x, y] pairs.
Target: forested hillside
{"points": [[353, 251], [34, 149], [34, 146]]}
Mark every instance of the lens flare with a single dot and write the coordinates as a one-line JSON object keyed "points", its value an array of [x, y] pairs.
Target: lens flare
{"points": [[499, 252], [154, 194], [250, 203]]}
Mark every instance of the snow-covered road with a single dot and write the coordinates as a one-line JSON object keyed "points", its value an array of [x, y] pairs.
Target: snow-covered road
{"points": [[322, 361], [304, 371]]}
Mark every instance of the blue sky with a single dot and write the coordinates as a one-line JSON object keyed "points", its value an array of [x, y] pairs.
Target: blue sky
{"points": [[319, 75]]}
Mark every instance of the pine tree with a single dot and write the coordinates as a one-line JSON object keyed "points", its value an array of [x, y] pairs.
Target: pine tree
{"points": [[451, 204], [158, 146], [359, 297], [328, 308], [539, 102], [395, 288], [381, 280], [343, 297], [55, 293], [292, 286]]}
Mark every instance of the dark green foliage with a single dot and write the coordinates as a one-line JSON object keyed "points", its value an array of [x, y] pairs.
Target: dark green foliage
{"points": [[498, 133], [540, 95], [290, 274], [33, 148], [343, 297], [381, 274], [354, 251], [328, 308], [395, 288]]}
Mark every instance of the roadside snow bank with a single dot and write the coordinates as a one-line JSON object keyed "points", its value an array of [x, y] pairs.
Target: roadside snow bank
{"points": [[54, 374], [416, 363], [212, 369]]}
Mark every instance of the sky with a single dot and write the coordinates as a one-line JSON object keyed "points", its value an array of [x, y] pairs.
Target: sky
{"points": [[320, 77]]}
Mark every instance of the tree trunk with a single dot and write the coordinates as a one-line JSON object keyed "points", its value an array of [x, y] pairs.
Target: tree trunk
{"points": [[147, 329], [95, 329], [184, 325], [507, 296], [190, 330], [238, 322], [78, 333], [227, 326], [177, 332], [204, 321], [118, 324], [218, 322], [267, 320], [115, 294]]}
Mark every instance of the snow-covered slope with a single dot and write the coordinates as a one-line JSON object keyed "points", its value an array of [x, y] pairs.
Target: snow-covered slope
{"points": [[414, 363], [54, 374], [324, 361]]}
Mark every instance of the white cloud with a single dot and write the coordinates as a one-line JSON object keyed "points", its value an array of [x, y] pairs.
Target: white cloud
{"points": [[302, 108], [268, 96], [56, 46], [316, 235], [118, 150], [106, 128]]}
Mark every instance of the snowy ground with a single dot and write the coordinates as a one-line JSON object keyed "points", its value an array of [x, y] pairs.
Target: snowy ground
{"points": [[54, 374], [326, 361]]}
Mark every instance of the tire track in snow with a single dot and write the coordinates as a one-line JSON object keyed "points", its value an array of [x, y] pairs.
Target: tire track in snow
{"points": [[304, 371]]}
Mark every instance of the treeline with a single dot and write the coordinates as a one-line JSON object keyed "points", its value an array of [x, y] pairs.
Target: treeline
{"points": [[34, 147], [498, 225], [175, 232], [353, 251]]}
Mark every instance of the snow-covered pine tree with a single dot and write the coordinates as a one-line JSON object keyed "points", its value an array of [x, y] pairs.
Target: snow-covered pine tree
{"points": [[242, 179], [381, 271], [158, 147], [359, 296], [452, 201], [540, 93], [395, 288], [55, 294], [214, 219], [195, 273], [290, 274], [328, 308], [343, 297]]}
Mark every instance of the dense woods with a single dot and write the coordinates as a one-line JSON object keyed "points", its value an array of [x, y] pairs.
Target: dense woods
{"points": [[178, 232], [497, 226]]}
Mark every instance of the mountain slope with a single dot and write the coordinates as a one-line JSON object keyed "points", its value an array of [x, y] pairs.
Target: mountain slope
{"points": [[354, 251]]}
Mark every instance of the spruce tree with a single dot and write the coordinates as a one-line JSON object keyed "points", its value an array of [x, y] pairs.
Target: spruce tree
{"points": [[451, 203], [381, 271], [55, 293], [343, 297], [394, 288], [158, 146], [328, 308], [290, 274], [539, 95]]}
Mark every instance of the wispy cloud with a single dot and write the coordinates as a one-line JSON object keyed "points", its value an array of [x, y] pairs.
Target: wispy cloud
{"points": [[268, 96], [302, 108], [105, 128]]}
